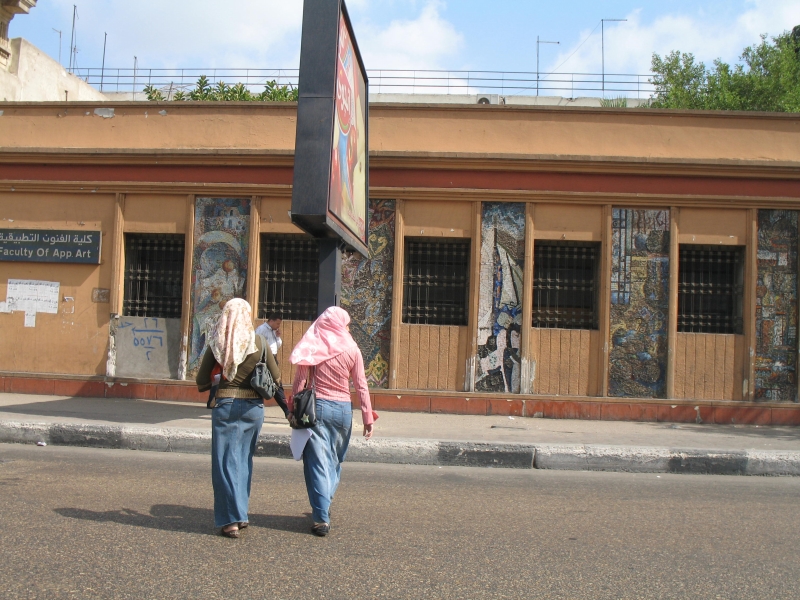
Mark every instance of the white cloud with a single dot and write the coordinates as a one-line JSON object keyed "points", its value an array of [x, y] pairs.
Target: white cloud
{"points": [[421, 43], [629, 46], [250, 33]]}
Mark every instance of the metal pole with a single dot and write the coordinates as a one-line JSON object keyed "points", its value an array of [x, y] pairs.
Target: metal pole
{"points": [[537, 59], [72, 39], [133, 88], [330, 274], [603, 48], [103, 68]]}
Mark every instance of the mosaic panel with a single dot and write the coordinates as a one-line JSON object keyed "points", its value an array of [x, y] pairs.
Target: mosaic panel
{"points": [[500, 301], [219, 266], [367, 292], [639, 303], [776, 307]]}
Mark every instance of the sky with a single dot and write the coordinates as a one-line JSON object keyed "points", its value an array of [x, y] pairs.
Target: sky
{"points": [[491, 35]]}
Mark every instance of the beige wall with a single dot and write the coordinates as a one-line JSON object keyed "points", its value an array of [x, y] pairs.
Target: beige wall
{"points": [[420, 131], [155, 213], [76, 339]]}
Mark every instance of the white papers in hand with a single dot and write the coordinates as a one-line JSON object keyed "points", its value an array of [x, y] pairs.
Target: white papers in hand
{"points": [[299, 439]]}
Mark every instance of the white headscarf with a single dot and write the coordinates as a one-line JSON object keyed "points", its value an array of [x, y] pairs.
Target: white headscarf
{"points": [[233, 337]]}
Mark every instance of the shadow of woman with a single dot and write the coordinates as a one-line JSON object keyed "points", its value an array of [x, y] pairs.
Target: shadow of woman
{"points": [[186, 519]]}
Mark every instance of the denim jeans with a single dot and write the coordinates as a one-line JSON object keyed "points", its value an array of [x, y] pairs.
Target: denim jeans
{"points": [[235, 425], [324, 454]]}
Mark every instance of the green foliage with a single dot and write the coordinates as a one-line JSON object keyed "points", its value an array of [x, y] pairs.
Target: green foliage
{"points": [[205, 92], [153, 94], [768, 79], [620, 102]]}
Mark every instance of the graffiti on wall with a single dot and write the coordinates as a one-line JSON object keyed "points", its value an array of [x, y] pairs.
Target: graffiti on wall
{"points": [[500, 300], [367, 292], [639, 303], [147, 347], [776, 306], [219, 261]]}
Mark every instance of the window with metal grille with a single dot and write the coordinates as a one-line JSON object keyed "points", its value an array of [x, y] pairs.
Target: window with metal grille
{"points": [[153, 275], [436, 281], [710, 287], [565, 285], [289, 276]]}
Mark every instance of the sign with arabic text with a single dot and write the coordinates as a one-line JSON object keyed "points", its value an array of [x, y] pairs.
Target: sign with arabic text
{"points": [[50, 245]]}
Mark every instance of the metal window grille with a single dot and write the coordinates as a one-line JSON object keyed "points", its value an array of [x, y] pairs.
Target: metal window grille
{"points": [[565, 285], [153, 275], [710, 288], [436, 281], [289, 276]]}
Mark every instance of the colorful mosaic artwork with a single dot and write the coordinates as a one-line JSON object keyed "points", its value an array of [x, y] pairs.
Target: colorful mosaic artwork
{"points": [[367, 292], [500, 302], [221, 240], [776, 307], [639, 303]]}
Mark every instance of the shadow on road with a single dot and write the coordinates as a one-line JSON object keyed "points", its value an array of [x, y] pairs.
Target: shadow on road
{"points": [[187, 519]]}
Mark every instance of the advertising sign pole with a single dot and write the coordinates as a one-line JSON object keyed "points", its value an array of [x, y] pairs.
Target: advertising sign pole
{"points": [[331, 166], [330, 274]]}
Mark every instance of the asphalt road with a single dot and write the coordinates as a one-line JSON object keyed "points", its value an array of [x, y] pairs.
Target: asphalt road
{"points": [[86, 523]]}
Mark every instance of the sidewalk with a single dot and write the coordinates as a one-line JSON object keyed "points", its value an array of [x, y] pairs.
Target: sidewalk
{"points": [[417, 438]]}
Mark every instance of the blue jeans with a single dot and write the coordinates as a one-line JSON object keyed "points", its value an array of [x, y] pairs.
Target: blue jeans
{"points": [[324, 454], [235, 425]]}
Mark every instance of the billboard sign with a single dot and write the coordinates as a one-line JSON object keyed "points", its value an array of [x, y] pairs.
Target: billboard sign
{"points": [[331, 182]]}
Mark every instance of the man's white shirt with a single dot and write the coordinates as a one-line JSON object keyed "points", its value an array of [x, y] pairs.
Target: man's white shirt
{"points": [[272, 338]]}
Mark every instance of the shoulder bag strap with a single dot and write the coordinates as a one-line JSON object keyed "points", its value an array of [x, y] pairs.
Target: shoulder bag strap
{"points": [[264, 347]]}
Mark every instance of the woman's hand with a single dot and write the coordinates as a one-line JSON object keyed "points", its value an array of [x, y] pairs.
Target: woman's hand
{"points": [[292, 421], [368, 431]]}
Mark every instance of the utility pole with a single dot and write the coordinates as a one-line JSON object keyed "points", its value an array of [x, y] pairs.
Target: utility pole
{"points": [[72, 39], [58, 31], [103, 68], [538, 41], [603, 48]]}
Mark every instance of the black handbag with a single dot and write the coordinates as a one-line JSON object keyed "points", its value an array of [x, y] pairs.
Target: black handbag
{"points": [[304, 407], [261, 380]]}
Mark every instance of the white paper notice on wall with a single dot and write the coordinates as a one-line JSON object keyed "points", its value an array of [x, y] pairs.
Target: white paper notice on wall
{"points": [[31, 296]]}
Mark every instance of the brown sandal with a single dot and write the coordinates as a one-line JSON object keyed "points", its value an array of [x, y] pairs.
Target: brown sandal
{"points": [[231, 533], [244, 525]]}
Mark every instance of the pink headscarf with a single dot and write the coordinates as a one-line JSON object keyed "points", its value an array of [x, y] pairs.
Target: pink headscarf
{"points": [[233, 337], [327, 337]]}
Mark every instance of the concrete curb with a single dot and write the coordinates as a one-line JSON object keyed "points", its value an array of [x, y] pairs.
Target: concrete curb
{"points": [[428, 452]]}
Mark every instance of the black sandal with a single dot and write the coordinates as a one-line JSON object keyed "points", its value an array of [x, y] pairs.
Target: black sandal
{"points": [[231, 533], [321, 529]]}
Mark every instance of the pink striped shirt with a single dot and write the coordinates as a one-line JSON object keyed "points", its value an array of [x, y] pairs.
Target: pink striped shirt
{"points": [[332, 381]]}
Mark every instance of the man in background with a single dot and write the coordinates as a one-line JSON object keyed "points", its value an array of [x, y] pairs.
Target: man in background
{"points": [[271, 330]]}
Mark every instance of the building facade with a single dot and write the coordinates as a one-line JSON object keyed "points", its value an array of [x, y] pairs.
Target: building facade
{"points": [[534, 261]]}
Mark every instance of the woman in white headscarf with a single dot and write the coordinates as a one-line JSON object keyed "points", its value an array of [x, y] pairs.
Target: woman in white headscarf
{"points": [[233, 352]]}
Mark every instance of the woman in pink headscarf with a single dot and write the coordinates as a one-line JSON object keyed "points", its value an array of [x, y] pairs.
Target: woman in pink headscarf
{"points": [[329, 357]]}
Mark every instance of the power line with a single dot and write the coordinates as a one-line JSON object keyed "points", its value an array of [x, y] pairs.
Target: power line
{"points": [[586, 39]]}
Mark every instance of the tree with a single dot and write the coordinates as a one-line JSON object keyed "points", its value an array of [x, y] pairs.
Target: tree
{"points": [[205, 92], [768, 79]]}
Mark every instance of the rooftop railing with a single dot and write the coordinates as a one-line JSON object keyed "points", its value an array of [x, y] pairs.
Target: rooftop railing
{"points": [[384, 81]]}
